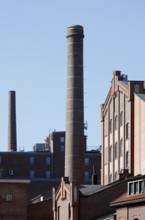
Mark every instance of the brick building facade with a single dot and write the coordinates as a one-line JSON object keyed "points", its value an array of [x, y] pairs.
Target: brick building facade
{"points": [[44, 168], [131, 204], [45, 165], [117, 116], [13, 199], [139, 134]]}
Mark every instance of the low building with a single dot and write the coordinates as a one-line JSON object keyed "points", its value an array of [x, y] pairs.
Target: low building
{"points": [[13, 199], [45, 168], [40, 208], [131, 204], [123, 199], [72, 201]]}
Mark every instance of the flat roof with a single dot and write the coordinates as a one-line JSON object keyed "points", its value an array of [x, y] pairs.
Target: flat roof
{"points": [[14, 181]]}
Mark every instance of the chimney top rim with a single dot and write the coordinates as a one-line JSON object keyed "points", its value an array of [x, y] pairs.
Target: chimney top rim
{"points": [[75, 26]]}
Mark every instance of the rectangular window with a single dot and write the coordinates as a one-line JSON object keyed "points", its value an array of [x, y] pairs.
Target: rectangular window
{"points": [[136, 187], [69, 211], [31, 160], [110, 126], [86, 161], [31, 173], [58, 213], [116, 122], [86, 174], [48, 160], [131, 188], [11, 172], [62, 139], [9, 197], [127, 131], [141, 186], [121, 147], [127, 159], [110, 153], [115, 150], [62, 148], [48, 174], [121, 118]]}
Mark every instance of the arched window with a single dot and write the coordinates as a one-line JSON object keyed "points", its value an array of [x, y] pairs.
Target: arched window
{"points": [[116, 122], [110, 153], [127, 159], [69, 211], [115, 150], [110, 126], [127, 130], [121, 147], [121, 118]]}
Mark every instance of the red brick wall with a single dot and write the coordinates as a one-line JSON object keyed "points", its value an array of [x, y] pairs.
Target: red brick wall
{"points": [[17, 208], [137, 212], [122, 213], [41, 210], [131, 212]]}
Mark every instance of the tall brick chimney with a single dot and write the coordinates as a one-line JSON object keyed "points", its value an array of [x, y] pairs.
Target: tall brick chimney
{"points": [[12, 135], [74, 143]]}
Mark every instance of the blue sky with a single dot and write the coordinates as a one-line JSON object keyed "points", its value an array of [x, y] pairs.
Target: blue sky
{"points": [[33, 53]]}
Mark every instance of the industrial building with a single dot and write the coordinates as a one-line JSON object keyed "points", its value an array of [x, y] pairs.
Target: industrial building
{"points": [[119, 141], [121, 194], [64, 164]]}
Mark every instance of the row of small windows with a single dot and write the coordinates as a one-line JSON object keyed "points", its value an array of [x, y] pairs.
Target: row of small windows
{"points": [[48, 159], [120, 123], [116, 176], [116, 150], [136, 187], [116, 122], [32, 160], [120, 120], [120, 153], [32, 174]]}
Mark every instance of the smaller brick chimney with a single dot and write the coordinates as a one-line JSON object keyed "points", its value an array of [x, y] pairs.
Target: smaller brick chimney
{"points": [[12, 134], [124, 175]]}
